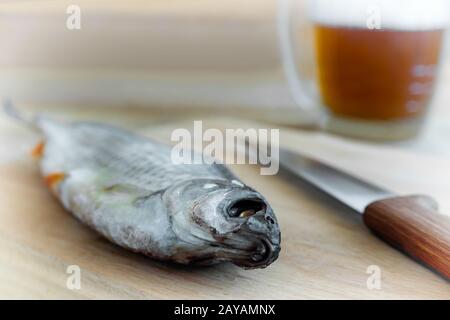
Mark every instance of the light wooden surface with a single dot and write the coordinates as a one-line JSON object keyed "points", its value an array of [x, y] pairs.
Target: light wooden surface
{"points": [[325, 247]]}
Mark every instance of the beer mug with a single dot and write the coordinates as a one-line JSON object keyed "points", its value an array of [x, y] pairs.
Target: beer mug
{"points": [[369, 66]]}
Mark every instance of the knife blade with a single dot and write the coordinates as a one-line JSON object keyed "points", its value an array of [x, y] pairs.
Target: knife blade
{"points": [[408, 223], [349, 190]]}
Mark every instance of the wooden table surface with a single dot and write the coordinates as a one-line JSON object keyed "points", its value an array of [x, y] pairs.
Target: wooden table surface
{"points": [[325, 248]]}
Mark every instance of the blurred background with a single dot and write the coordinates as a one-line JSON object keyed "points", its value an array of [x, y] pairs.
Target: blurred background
{"points": [[152, 53], [167, 56], [160, 54]]}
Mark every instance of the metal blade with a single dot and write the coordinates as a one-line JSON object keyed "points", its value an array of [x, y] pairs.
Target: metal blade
{"points": [[351, 191]]}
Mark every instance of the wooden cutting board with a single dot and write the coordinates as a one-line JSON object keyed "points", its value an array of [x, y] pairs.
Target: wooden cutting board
{"points": [[325, 248]]}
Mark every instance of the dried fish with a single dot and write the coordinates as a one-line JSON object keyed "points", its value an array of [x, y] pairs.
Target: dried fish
{"points": [[126, 187]]}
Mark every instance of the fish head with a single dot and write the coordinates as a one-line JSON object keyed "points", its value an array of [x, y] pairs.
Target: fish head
{"points": [[227, 221]]}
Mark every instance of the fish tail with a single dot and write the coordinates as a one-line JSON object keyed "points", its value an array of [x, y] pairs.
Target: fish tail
{"points": [[10, 110]]}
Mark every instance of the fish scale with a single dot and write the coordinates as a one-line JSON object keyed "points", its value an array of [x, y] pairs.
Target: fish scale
{"points": [[138, 161]]}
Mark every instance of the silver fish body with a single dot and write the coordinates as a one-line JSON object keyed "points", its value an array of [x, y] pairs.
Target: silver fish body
{"points": [[126, 187]]}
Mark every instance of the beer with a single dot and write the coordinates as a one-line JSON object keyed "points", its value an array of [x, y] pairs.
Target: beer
{"points": [[377, 74]]}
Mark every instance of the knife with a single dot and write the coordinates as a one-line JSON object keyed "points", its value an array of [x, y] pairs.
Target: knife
{"points": [[411, 224]]}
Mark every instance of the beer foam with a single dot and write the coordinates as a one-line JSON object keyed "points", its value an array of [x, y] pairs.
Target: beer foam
{"points": [[387, 14]]}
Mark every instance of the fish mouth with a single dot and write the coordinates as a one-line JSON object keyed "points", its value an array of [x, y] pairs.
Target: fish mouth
{"points": [[262, 255], [257, 242], [244, 208]]}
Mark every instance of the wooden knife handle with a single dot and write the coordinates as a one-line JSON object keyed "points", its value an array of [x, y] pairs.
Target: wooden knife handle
{"points": [[413, 225]]}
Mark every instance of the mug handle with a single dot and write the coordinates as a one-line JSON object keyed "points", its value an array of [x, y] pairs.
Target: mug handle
{"points": [[295, 83]]}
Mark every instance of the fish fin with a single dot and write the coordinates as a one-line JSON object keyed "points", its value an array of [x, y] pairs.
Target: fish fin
{"points": [[38, 150], [33, 122], [126, 188], [136, 194], [53, 179], [142, 199], [11, 110]]}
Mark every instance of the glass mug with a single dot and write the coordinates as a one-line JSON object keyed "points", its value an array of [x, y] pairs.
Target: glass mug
{"points": [[373, 64]]}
